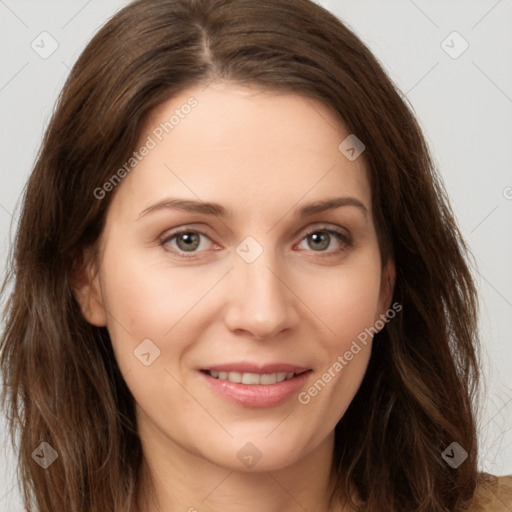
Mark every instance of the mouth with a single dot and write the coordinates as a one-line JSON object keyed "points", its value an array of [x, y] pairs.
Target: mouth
{"points": [[256, 386], [253, 379]]}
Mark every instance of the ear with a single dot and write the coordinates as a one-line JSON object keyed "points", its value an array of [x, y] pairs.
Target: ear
{"points": [[387, 285], [85, 285]]}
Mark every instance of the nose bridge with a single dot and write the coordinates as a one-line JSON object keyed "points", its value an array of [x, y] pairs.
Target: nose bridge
{"points": [[259, 301]]}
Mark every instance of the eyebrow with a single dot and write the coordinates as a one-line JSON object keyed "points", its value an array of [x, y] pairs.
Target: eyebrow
{"points": [[218, 210]]}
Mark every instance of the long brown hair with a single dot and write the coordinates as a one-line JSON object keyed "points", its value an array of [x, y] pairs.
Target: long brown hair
{"points": [[61, 381]]}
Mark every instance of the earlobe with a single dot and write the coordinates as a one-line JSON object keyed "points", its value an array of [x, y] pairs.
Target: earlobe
{"points": [[85, 285], [388, 284]]}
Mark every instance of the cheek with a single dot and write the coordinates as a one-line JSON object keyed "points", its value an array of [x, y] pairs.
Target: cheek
{"points": [[348, 300], [148, 300], [347, 307], [152, 301]]}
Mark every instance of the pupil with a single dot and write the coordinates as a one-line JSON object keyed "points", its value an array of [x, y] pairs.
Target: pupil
{"points": [[188, 238], [317, 238]]}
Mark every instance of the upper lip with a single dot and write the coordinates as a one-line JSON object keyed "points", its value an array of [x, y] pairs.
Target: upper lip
{"points": [[247, 367]]}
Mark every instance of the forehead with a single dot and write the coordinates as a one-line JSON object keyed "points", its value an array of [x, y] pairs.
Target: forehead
{"points": [[245, 148]]}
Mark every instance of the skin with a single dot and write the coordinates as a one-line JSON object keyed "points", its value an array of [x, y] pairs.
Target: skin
{"points": [[261, 155]]}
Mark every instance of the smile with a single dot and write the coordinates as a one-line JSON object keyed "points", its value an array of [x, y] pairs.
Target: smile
{"points": [[255, 386], [252, 378]]}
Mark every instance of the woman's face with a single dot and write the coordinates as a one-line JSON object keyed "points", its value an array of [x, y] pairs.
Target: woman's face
{"points": [[255, 286]]}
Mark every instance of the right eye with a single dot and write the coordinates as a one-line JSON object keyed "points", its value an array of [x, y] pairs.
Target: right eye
{"points": [[186, 241]]}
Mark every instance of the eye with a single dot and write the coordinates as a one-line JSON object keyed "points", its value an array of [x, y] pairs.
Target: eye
{"points": [[319, 239], [186, 241]]}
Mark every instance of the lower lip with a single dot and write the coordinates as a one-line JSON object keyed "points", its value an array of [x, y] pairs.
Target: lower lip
{"points": [[257, 395]]}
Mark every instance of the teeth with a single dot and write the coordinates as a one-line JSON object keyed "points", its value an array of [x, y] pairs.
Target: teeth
{"points": [[249, 378], [235, 377], [268, 378], [252, 378]]}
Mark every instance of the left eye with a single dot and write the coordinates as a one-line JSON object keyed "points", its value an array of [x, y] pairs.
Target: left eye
{"points": [[318, 237], [188, 241]]}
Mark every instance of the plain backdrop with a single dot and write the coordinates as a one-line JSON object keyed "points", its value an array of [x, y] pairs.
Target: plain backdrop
{"points": [[451, 59]]}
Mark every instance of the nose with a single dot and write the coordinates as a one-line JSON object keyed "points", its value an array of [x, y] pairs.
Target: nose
{"points": [[261, 303]]}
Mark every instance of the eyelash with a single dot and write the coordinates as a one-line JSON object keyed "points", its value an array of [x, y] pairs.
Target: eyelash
{"points": [[345, 240]]}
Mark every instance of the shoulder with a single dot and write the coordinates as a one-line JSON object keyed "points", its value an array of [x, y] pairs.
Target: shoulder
{"points": [[492, 494]]}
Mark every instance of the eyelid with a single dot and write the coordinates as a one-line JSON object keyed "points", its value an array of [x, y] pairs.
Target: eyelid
{"points": [[325, 226]]}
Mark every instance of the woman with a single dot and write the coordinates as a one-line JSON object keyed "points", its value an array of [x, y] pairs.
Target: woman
{"points": [[174, 338]]}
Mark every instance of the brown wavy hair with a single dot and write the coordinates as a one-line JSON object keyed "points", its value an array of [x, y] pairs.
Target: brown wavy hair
{"points": [[61, 381]]}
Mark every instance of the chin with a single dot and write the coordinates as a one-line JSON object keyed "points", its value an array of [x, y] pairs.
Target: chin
{"points": [[258, 455]]}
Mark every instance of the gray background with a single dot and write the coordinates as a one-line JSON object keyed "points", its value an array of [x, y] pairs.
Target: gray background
{"points": [[464, 105]]}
